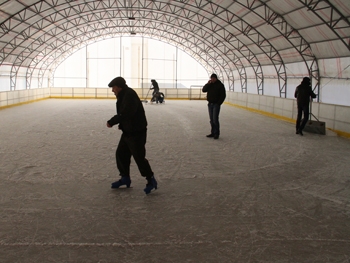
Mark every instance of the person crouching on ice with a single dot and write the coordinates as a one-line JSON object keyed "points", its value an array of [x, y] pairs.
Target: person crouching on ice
{"points": [[132, 121], [155, 93]]}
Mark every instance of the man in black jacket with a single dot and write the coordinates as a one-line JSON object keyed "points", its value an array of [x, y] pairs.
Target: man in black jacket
{"points": [[155, 92], [303, 93], [133, 123], [216, 94]]}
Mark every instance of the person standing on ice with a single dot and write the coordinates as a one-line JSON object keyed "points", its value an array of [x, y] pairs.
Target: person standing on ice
{"points": [[216, 94], [303, 93], [155, 93], [132, 121]]}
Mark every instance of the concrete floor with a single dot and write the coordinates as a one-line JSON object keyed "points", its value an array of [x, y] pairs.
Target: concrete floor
{"points": [[260, 193]]}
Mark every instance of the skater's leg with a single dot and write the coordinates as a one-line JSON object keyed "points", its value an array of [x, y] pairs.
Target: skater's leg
{"points": [[137, 148], [300, 112], [153, 96], [211, 117], [123, 157], [216, 124], [306, 117]]}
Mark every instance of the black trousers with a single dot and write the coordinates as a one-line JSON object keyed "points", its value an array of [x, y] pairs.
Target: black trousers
{"points": [[133, 145], [301, 109]]}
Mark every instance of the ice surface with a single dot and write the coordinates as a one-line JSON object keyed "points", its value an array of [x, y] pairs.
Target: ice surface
{"points": [[260, 193]]}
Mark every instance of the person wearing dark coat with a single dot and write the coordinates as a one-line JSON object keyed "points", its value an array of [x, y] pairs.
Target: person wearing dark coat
{"points": [[132, 122], [303, 93], [216, 94], [155, 93]]}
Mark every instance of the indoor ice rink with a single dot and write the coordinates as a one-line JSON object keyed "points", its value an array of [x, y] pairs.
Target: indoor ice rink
{"points": [[259, 193]]}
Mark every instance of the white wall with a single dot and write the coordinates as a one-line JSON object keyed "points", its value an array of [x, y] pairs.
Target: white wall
{"points": [[8, 98]]}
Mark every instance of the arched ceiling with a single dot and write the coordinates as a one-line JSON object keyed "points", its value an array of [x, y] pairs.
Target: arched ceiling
{"points": [[224, 35]]}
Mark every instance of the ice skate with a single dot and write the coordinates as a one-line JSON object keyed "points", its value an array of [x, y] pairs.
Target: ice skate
{"points": [[151, 184], [125, 180]]}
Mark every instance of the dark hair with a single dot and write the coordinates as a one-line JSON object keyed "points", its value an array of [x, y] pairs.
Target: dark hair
{"points": [[118, 81], [214, 76], [306, 80]]}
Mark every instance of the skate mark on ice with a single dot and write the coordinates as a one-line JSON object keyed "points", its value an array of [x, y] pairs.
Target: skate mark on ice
{"points": [[149, 244]]}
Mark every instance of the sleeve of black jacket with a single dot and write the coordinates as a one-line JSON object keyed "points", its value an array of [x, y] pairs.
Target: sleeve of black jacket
{"points": [[312, 94], [222, 94], [205, 87], [296, 92], [128, 107]]}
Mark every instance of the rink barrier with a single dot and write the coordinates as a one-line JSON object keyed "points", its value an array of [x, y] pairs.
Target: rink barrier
{"points": [[106, 93], [262, 112], [20, 97], [336, 117]]}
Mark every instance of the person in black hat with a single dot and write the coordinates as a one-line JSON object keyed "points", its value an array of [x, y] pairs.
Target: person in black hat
{"points": [[132, 121], [303, 93], [216, 94], [155, 88]]}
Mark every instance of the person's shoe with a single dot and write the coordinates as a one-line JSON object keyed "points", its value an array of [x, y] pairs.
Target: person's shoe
{"points": [[125, 180], [300, 132], [297, 132], [210, 135], [151, 184], [216, 137]]}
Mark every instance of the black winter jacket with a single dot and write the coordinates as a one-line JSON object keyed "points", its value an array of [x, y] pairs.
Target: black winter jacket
{"points": [[216, 92], [303, 93], [155, 86], [131, 115]]}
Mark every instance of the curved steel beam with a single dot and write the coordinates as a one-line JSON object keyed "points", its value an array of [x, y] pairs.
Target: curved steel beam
{"points": [[258, 72], [337, 22], [289, 33], [250, 4], [124, 25]]}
